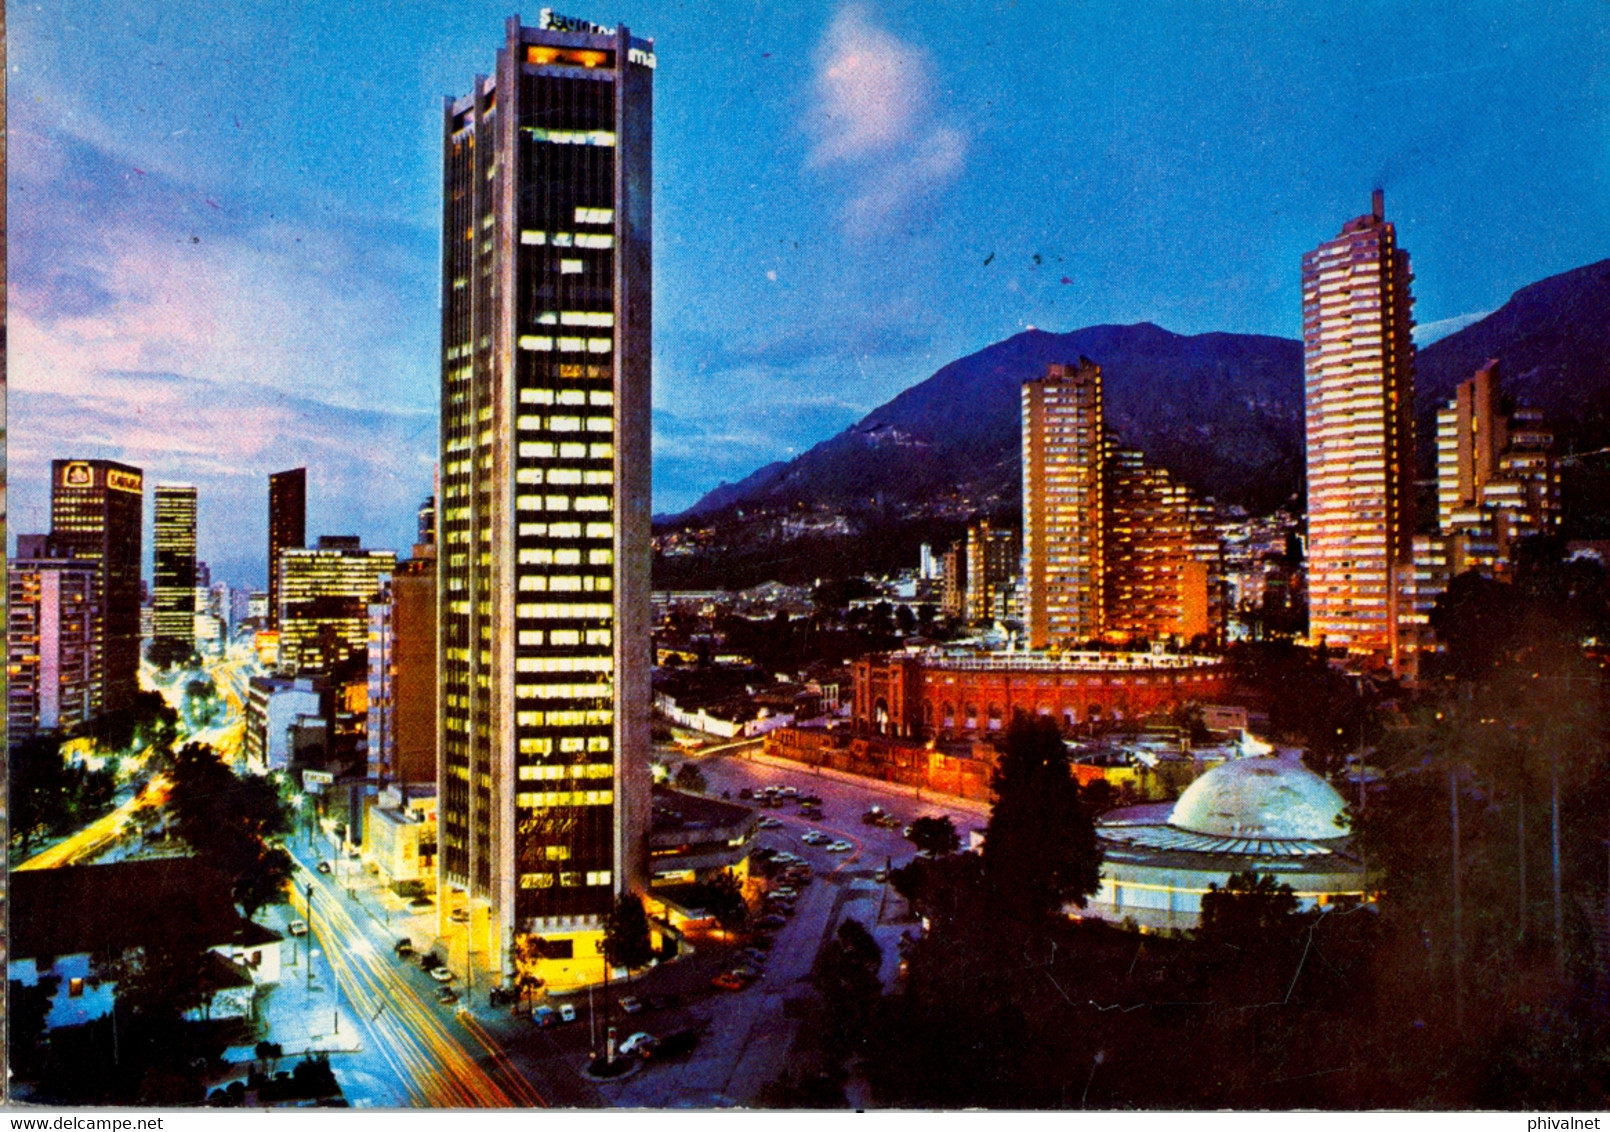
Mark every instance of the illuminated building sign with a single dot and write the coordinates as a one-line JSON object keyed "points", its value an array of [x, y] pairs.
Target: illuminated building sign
{"points": [[638, 55], [550, 20], [124, 481], [77, 475]]}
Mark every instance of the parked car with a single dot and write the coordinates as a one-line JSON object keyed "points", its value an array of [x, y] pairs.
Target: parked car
{"points": [[403, 948], [810, 799], [502, 996], [430, 960], [840, 847], [631, 1004], [813, 837], [543, 1016], [769, 823], [639, 1043], [746, 793], [323, 866], [441, 974], [728, 981], [782, 892], [788, 792], [447, 996], [567, 1012], [873, 816], [297, 927]]}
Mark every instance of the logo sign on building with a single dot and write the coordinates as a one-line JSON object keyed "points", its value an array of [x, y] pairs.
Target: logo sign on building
{"points": [[77, 474], [550, 20], [311, 778], [124, 481]]}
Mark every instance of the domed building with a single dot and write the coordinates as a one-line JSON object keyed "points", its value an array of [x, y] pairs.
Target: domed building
{"points": [[1268, 814]]}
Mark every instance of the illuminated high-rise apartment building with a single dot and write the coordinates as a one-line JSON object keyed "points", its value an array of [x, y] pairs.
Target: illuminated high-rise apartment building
{"points": [[1063, 448], [287, 527], [1164, 574], [50, 617], [1358, 357], [173, 583], [994, 559], [1497, 481], [97, 513], [543, 510]]}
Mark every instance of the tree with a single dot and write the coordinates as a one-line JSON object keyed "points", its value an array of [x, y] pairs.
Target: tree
{"points": [[846, 976], [229, 820], [690, 778], [934, 836], [1249, 908], [726, 899], [1040, 850], [40, 787], [626, 934]]}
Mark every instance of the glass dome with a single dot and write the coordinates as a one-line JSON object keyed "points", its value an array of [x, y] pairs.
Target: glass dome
{"points": [[1275, 798]]}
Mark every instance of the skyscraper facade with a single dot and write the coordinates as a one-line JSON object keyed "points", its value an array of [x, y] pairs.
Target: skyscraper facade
{"points": [[543, 509], [325, 593], [1063, 446], [50, 616], [173, 589], [1358, 358], [287, 527], [97, 512]]}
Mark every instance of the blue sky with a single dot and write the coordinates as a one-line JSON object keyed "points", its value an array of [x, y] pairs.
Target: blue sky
{"points": [[224, 217]]}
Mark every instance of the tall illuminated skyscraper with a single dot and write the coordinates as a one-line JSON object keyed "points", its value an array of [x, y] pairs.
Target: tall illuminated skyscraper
{"points": [[97, 513], [1359, 362], [287, 527], [1063, 451], [544, 505], [173, 588]]}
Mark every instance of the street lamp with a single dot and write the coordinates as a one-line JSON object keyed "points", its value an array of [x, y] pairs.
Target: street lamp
{"points": [[310, 935]]}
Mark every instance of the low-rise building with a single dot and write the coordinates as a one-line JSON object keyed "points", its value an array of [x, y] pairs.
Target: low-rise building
{"points": [[71, 926], [275, 705], [400, 838]]}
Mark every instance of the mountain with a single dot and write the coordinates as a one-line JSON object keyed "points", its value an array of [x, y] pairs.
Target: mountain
{"points": [[1553, 341], [1223, 411]]}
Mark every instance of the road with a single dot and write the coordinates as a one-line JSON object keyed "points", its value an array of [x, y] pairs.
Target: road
{"points": [[100, 834], [436, 1059]]}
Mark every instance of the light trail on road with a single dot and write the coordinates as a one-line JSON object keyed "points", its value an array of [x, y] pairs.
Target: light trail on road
{"points": [[98, 834], [432, 1063]]}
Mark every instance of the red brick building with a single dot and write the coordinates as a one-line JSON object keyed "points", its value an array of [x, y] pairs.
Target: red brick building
{"points": [[917, 696]]}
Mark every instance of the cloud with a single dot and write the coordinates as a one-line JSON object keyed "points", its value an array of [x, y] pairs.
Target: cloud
{"points": [[1428, 332], [210, 343], [873, 118]]}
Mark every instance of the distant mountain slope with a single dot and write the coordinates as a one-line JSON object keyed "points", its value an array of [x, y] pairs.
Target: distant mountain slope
{"points": [[1553, 340], [1222, 410]]}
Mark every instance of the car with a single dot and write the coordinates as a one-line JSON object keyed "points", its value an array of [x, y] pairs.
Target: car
{"points": [[810, 799], [762, 853], [429, 961], [746, 793], [840, 847], [788, 792], [639, 1043], [813, 837], [441, 974], [746, 973], [447, 996], [783, 892], [460, 915], [567, 1013], [323, 866], [728, 981], [769, 823], [771, 920], [403, 948], [881, 875], [786, 858], [297, 927], [543, 1016], [631, 1004], [873, 815]]}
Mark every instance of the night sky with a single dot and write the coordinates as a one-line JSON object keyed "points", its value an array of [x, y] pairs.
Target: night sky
{"points": [[225, 217]]}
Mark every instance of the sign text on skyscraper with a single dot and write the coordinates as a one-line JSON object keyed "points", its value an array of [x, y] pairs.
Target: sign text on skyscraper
{"points": [[124, 481], [550, 20]]}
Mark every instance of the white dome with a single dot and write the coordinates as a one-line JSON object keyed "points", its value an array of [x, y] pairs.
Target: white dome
{"points": [[1261, 797]]}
